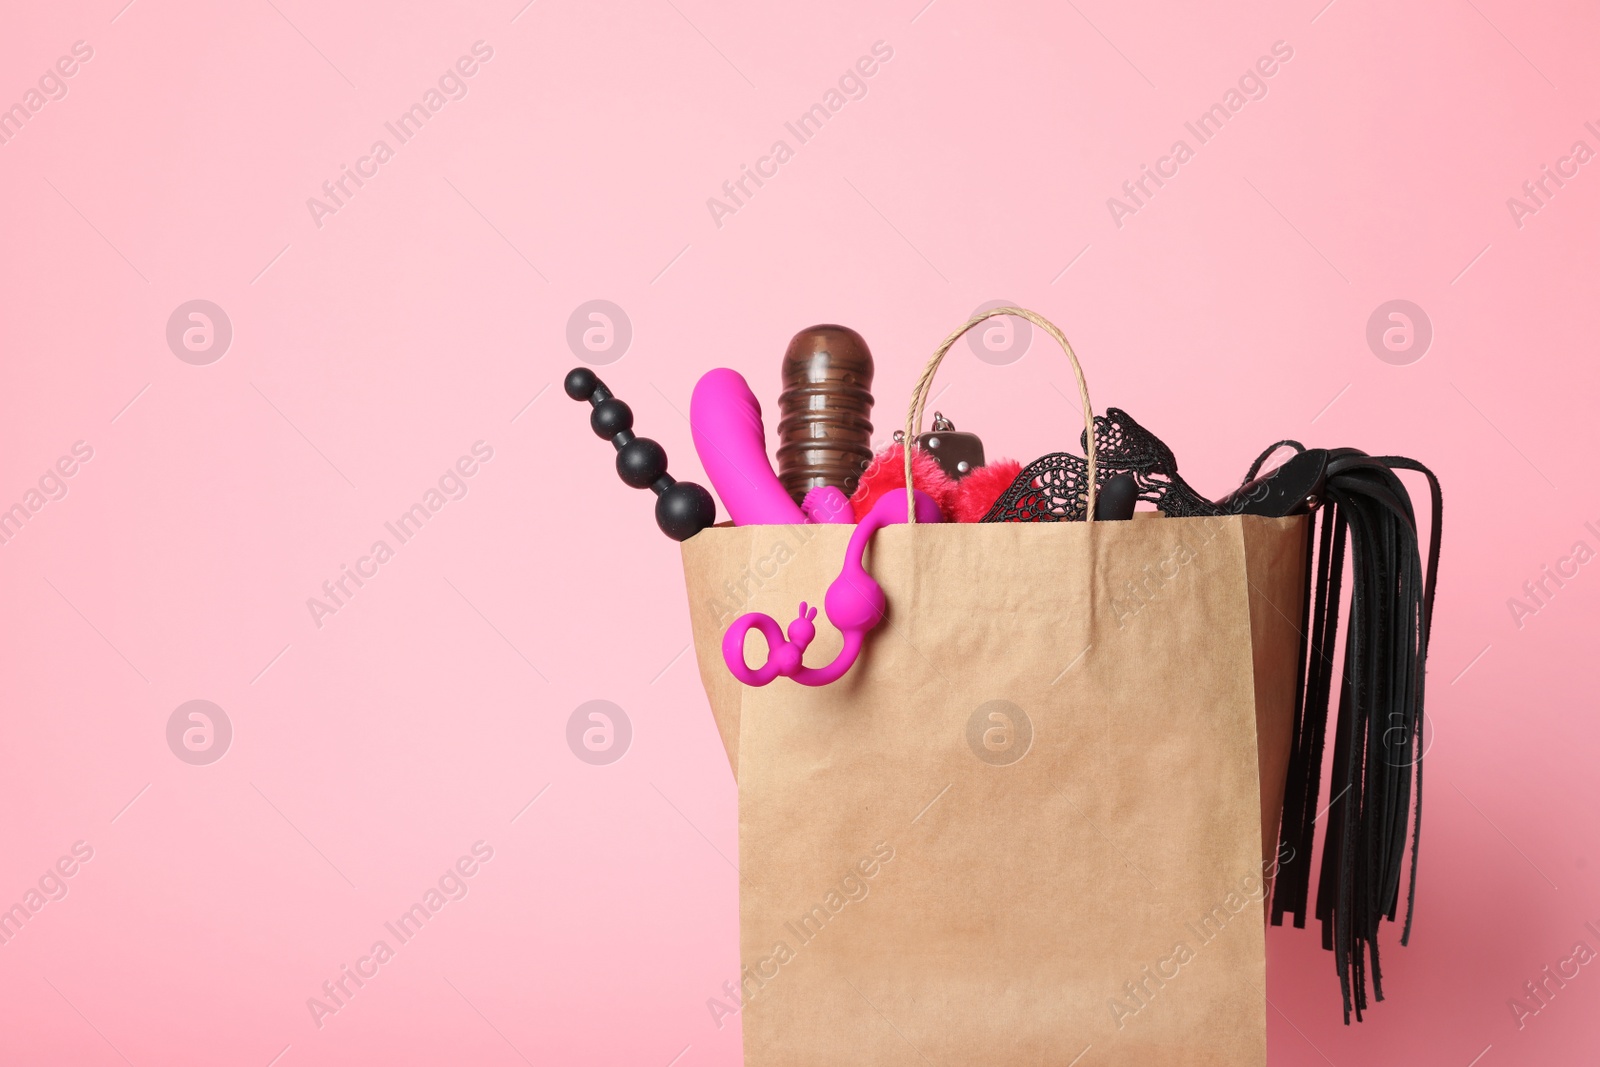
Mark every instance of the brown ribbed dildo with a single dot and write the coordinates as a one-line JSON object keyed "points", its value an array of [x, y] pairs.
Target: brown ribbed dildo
{"points": [[683, 509], [824, 423]]}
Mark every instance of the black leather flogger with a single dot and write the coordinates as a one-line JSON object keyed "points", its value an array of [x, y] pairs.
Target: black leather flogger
{"points": [[1376, 781], [1365, 514]]}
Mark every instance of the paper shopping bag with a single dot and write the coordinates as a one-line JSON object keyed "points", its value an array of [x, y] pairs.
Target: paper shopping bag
{"points": [[1035, 822]]}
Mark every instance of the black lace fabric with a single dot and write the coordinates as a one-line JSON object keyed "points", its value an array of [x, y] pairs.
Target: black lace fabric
{"points": [[1054, 488]]}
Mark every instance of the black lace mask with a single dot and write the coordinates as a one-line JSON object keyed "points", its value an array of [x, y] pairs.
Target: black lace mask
{"points": [[1053, 488]]}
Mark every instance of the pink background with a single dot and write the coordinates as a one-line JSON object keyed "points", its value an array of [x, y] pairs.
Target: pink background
{"points": [[430, 311]]}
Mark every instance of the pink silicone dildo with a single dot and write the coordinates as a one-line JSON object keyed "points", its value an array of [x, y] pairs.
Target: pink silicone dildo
{"points": [[725, 421], [855, 603]]}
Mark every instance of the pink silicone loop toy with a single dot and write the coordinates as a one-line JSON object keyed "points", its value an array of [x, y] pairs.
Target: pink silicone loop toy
{"points": [[855, 603]]}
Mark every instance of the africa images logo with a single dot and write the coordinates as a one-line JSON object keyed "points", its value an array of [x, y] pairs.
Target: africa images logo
{"points": [[851, 85], [451, 85], [1252, 85]]}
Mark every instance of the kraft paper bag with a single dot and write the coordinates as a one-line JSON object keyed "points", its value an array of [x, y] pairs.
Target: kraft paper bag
{"points": [[1036, 821]]}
